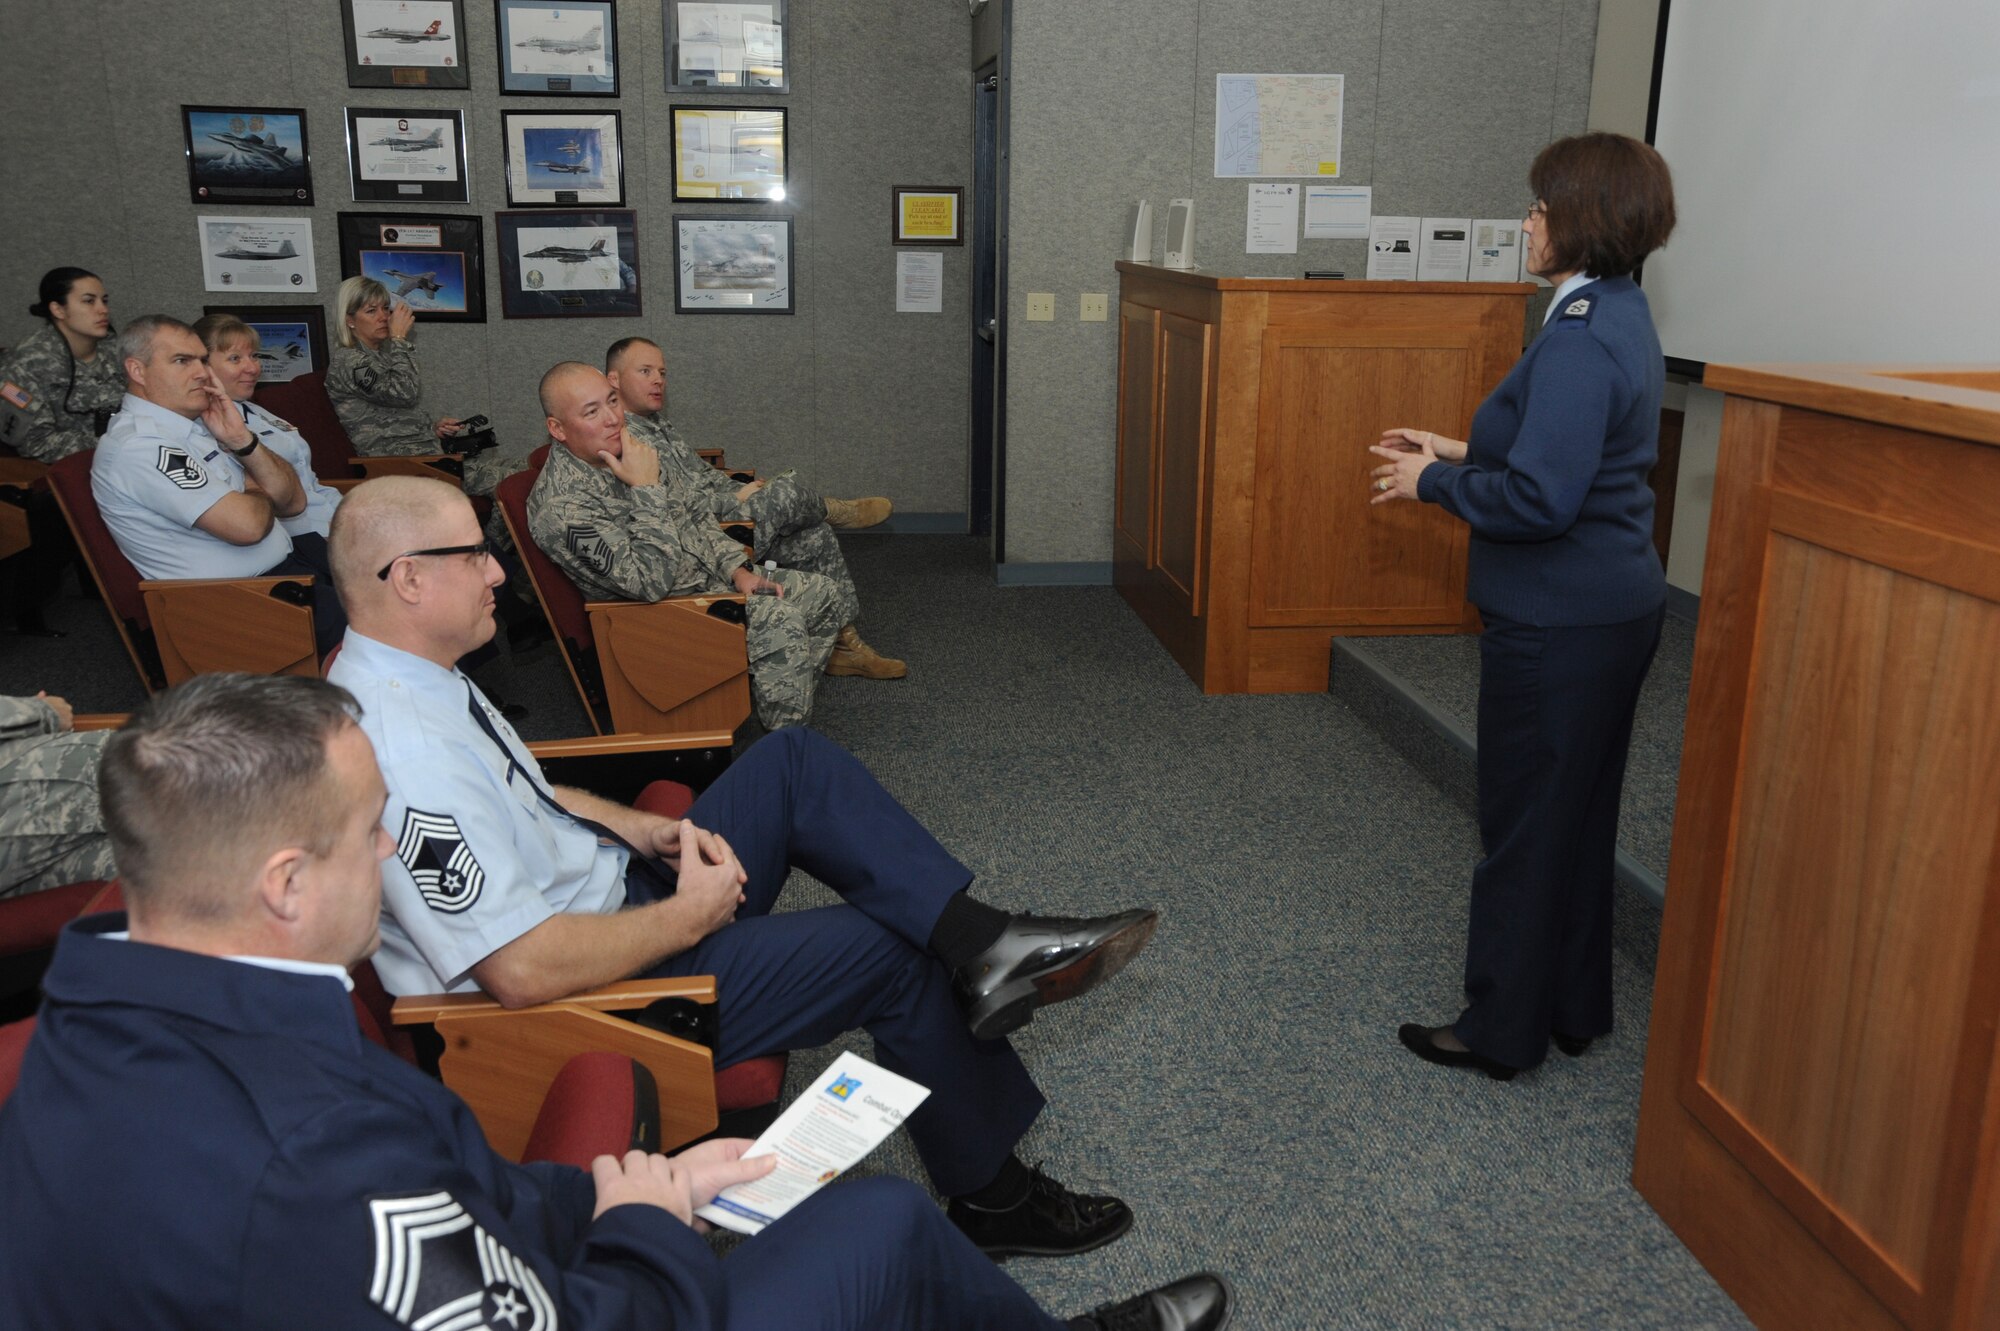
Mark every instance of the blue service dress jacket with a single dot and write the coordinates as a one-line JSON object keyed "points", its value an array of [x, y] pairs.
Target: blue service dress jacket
{"points": [[199, 1142]]}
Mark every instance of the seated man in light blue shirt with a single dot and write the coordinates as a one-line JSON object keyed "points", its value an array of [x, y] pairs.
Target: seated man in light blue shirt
{"points": [[187, 489]]}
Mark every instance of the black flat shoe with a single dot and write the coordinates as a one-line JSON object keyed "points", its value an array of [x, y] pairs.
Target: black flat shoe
{"points": [[1202, 1302], [1422, 1041], [1043, 959], [1573, 1045], [1049, 1221]]}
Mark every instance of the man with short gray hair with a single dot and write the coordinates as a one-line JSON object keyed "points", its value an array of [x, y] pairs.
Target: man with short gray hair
{"points": [[184, 486], [199, 1100]]}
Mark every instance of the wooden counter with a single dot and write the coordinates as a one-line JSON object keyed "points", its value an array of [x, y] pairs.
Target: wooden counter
{"points": [[1820, 1121], [1241, 529]]}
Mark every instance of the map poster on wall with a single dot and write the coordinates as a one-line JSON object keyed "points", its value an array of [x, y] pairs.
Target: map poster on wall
{"points": [[1278, 124]]}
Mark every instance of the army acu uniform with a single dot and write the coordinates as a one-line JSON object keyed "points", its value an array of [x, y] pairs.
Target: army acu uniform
{"points": [[51, 831], [642, 543], [792, 526], [50, 402]]}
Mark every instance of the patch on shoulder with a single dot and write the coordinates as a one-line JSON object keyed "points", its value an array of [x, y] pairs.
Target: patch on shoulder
{"points": [[179, 466], [588, 546], [1576, 309], [367, 378], [17, 395], [433, 849], [436, 1267]]}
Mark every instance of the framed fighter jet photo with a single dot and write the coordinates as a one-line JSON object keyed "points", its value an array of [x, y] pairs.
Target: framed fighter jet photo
{"points": [[273, 254], [557, 50], [565, 159], [405, 43], [434, 263], [729, 154], [726, 47], [291, 339], [412, 156], [568, 264], [733, 265], [247, 154]]}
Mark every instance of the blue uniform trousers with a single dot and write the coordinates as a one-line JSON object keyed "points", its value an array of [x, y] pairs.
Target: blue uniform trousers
{"points": [[1555, 721], [797, 980]]}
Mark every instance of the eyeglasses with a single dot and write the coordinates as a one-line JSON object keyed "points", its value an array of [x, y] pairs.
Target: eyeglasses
{"points": [[1537, 209], [478, 552]]}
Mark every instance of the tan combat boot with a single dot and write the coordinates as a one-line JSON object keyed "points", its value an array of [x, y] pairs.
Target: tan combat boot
{"points": [[853, 513], [851, 656]]}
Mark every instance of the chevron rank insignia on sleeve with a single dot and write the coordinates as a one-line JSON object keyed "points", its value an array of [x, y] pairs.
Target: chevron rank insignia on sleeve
{"points": [[1577, 308], [433, 849], [179, 466], [584, 542], [437, 1268]]}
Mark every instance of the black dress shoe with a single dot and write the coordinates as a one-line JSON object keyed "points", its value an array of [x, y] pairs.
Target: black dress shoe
{"points": [[1050, 1221], [1043, 959], [1573, 1045], [1422, 1041], [1203, 1302]]}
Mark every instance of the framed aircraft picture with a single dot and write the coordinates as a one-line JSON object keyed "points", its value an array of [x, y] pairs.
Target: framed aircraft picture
{"points": [[409, 156], [273, 254], [576, 264], [564, 159], [291, 339], [733, 265], [435, 263], [247, 154], [405, 43], [557, 50], [729, 154], [726, 47]]}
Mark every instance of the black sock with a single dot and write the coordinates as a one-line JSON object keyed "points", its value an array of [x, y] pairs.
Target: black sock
{"points": [[1008, 1189], [965, 928]]}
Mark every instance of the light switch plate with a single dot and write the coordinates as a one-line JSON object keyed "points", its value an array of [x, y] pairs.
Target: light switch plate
{"points": [[1041, 307], [1095, 307]]}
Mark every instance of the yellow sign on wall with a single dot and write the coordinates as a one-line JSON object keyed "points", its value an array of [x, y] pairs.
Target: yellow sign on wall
{"points": [[929, 216]]}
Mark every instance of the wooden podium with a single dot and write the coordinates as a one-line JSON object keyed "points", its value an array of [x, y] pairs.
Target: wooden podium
{"points": [[1241, 531], [1821, 1115]]}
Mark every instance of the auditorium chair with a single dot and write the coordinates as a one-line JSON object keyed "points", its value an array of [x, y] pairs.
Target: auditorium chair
{"points": [[647, 668], [174, 630], [303, 404]]}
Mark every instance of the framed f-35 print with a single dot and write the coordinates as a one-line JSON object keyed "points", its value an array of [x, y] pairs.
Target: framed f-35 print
{"points": [[406, 156], [405, 43], [247, 154], [574, 264], [291, 339], [564, 159], [557, 50], [733, 265], [726, 47], [433, 262]]}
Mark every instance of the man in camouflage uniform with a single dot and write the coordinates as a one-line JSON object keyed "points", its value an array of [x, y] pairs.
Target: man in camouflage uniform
{"points": [[794, 524], [601, 511], [51, 831]]}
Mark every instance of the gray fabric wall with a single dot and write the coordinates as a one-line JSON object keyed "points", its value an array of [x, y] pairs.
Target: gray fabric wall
{"points": [[860, 399], [1111, 102]]}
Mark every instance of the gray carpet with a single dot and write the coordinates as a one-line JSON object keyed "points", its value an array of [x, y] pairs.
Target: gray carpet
{"points": [[1241, 1085]]}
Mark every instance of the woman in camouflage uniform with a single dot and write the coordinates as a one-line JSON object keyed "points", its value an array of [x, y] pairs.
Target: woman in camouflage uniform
{"points": [[56, 390]]}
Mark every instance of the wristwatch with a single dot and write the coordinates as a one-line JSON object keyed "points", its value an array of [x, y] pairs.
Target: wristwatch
{"points": [[242, 452]]}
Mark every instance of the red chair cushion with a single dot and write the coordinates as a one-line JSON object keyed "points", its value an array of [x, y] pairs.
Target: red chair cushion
{"points": [[750, 1084], [599, 1104], [13, 1047], [304, 405], [70, 479], [30, 923], [559, 594], [666, 799]]}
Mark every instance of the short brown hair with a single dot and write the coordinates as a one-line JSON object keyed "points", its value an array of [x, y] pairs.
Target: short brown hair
{"points": [[215, 772], [1609, 202]]}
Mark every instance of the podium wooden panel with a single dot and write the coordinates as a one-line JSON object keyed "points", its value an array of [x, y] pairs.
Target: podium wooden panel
{"points": [[1241, 530], [1821, 1115]]}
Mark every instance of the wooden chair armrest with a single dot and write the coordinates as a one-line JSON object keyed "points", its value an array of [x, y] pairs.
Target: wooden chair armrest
{"points": [[700, 602], [596, 746], [431, 466], [21, 471], [712, 456], [261, 626], [620, 996], [99, 720], [168, 586]]}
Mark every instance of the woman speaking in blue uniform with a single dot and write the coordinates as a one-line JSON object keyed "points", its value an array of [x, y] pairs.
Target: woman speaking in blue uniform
{"points": [[1562, 567]]}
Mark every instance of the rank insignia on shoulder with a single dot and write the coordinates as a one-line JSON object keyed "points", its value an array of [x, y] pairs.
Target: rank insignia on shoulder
{"points": [[584, 542], [435, 1266], [1577, 308], [179, 466], [433, 849], [16, 394]]}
